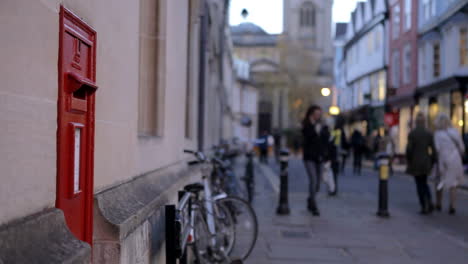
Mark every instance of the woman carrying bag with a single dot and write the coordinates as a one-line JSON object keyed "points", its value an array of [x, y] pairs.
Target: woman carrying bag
{"points": [[450, 150], [315, 151]]}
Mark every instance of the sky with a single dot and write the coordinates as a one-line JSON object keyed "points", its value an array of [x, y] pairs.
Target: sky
{"points": [[268, 14]]}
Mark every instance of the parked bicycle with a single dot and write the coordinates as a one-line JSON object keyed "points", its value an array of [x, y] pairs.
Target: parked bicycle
{"points": [[224, 227]]}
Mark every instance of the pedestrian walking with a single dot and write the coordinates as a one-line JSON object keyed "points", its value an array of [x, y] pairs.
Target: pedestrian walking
{"points": [[344, 150], [420, 156], [315, 152], [262, 144], [277, 147], [450, 150], [358, 145], [335, 148]]}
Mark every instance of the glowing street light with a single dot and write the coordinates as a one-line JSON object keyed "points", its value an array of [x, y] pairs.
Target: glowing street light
{"points": [[334, 110], [325, 92]]}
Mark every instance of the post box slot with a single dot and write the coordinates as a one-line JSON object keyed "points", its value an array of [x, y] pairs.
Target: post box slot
{"points": [[77, 82], [80, 93]]}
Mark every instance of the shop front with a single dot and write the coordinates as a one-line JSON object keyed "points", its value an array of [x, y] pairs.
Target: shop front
{"points": [[447, 96]]}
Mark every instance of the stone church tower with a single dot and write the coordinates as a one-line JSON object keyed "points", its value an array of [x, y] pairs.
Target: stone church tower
{"points": [[307, 52]]}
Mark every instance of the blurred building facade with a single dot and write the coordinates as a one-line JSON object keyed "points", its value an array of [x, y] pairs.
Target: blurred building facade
{"points": [[365, 66], [443, 60], [307, 54], [261, 51], [403, 68], [289, 69], [245, 104], [143, 81]]}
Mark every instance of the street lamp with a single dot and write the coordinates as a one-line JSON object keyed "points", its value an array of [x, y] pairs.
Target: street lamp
{"points": [[325, 92], [334, 110]]}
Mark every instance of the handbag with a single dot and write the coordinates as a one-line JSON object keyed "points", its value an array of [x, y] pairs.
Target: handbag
{"points": [[460, 151], [327, 177]]}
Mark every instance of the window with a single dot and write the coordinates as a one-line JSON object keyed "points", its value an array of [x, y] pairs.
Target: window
{"points": [[436, 62], [370, 42], [407, 64], [463, 47], [148, 68], [428, 9], [377, 39], [408, 14], [382, 90], [396, 21], [396, 69], [307, 15]]}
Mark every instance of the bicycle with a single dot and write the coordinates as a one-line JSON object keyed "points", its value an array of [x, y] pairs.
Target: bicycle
{"points": [[224, 227]]}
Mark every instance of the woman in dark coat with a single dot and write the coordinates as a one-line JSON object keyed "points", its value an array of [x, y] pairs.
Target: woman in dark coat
{"points": [[315, 151], [420, 155]]}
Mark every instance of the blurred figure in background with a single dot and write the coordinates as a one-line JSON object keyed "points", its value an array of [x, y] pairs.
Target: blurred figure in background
{"points": [[450, 150], [277, 147], [262, 144], [336, 142], [420, 155], [358, 145]]}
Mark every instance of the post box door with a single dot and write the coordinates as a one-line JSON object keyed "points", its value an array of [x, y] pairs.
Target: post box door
{"points": [[75, 135]]}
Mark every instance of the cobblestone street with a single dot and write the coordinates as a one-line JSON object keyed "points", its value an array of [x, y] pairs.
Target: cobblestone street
{"points": [[348, 230]]}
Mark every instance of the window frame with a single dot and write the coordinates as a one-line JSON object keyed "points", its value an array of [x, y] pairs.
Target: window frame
{"points": [[436, 67], [463, 46]]}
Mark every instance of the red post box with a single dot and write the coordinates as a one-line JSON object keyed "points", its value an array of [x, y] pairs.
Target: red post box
{"points": [[75, 135]]}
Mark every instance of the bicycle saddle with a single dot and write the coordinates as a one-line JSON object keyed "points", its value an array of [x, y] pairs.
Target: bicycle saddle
{"points": [[194, 187]]}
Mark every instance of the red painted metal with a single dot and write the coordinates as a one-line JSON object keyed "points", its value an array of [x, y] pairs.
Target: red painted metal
{"points": [[76, 103]]}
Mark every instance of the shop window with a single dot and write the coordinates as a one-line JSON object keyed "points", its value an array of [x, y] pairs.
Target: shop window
{"points": [[382, 88], [436, 60], [464, 47], [456, 110], [433, 111]]}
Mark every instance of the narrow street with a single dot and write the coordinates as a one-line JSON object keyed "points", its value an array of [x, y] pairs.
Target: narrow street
{"points": [[348, 230]]}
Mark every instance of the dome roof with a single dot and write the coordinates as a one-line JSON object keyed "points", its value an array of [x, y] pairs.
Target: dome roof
{"points": [[247, 28]]}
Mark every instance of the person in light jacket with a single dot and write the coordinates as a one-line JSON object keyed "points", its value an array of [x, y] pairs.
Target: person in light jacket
{"points": [[420, 156], [450, 149]]}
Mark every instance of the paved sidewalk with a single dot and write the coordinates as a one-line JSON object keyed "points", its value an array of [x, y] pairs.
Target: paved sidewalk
{"points": [[347, 232]]}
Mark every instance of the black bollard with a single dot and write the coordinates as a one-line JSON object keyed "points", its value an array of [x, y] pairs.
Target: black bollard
{"points": [[383, 162], [283, 207], [249, 177]]}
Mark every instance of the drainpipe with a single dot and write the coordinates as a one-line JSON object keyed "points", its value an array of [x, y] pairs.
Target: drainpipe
{"points": [[201, 76]]}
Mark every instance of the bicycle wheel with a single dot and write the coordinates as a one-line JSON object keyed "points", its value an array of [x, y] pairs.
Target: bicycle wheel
{"points": [[201, 243], [205, 250], [246, 226], [225, 228]]}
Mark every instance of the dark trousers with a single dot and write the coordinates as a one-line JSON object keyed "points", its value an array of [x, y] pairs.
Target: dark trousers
{"points": [[424, 193], [264, 155], [314, 171], [357, 161], [343, 163], [335, 165]]}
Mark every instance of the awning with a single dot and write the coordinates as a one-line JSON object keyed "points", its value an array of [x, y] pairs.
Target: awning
{"points": [[443, 86]]}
